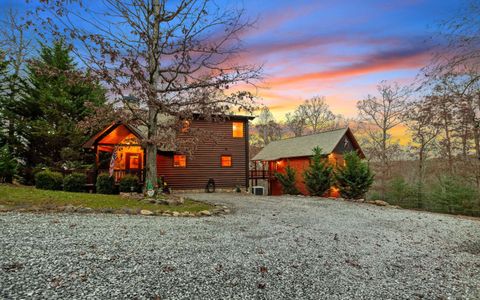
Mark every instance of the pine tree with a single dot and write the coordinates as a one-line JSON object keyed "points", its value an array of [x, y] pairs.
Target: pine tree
{"points": [[56, 102], [3, 98], [319, 176], [354, 178], [8, 165], [288, 181], [11, 89]]}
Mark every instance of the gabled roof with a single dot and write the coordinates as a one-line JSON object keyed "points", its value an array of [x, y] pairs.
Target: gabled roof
{"points": [[303, 146], [101, 134]]}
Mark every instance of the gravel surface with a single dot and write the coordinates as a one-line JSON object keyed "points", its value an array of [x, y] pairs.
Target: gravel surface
{"points": [[268, 248]]}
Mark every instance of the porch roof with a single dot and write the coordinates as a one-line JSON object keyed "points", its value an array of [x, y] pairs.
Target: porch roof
{"points": [[114, 134]]}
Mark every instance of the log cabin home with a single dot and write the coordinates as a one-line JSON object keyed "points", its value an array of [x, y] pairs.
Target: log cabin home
{"points": [[297, 152], [223, 159]]}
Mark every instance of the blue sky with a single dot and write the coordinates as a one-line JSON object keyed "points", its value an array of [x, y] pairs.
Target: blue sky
{"points": [[339, 49]]}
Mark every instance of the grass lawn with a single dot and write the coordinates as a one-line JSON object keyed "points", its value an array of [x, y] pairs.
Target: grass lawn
{"points": [[32, 199]]}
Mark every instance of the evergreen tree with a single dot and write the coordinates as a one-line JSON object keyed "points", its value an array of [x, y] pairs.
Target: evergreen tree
{"points": [[11, 89], [56, 102], [319, 176], [355, 177], [3, 98], [8, 165], [288, 181]]}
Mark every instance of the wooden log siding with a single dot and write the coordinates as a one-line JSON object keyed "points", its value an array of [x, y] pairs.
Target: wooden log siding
{"points": [[206, 161]]}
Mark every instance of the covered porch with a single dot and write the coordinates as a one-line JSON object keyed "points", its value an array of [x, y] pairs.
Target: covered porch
{"points": [[122, 142]]}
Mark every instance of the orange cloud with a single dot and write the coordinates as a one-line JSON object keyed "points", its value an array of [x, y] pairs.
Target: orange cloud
{"points": [[377, 63]]}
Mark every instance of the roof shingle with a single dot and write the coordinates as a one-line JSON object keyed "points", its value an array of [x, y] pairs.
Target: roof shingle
{"points": [[301, 146]]}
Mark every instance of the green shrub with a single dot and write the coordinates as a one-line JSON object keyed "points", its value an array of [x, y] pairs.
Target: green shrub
{"points": [[373, 195], [355, 178], [399, 192], [105, 184], [127, 182], [452, 195], [288, 181], [8, 165], [75, 182], [319, 175], [48, 180]]}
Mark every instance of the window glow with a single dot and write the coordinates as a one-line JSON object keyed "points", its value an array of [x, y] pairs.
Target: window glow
{"points": [[179, 161], [185, 126], [237, 129], [226, 161]]}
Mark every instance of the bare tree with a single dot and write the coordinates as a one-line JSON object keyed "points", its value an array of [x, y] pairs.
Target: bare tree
{"points": [[175, 57], [380, 114], [16, 47], [268, 129], [420, 122], [443, 105], [316, 113], [296, 122], [458, 52]]}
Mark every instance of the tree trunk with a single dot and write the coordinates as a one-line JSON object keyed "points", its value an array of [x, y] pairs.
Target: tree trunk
{"points": [[384, 163], [151, 149], [10, 143], [153, 62], [421, 161]]}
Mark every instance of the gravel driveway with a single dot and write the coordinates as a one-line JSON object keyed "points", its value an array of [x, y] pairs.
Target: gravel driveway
{"points": [[268, 248]]}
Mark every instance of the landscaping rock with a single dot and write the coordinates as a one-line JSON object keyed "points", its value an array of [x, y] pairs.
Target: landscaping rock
{"points": [[381, 203], [205, 213], [129, 211], [175, 214], [84, 210], [68, 208], [146, 212]]}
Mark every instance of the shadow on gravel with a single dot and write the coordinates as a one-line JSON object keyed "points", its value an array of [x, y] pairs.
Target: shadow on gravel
{"points": [[472, 247]]}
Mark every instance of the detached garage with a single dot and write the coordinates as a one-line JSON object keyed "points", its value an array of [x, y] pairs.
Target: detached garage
{"points": [[297, 153]]}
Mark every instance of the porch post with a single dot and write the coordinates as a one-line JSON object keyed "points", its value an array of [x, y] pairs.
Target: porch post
{"points": [[144, 174], [95, 169]]}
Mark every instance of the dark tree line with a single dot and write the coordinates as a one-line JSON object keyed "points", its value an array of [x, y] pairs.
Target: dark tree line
{"points": [[42, 101]]}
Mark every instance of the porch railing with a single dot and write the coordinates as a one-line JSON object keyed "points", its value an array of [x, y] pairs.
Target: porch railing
{"points": [[260, 174], [118, 174]]}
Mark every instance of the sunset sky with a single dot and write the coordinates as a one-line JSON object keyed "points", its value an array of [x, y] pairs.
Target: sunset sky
{"points": [[339, 49]]}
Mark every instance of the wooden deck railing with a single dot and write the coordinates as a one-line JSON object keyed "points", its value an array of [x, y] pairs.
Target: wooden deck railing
{"points": [[260, 174]]}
